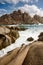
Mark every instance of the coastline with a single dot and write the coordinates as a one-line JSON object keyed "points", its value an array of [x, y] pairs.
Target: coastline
{"points": [[24, 35]]}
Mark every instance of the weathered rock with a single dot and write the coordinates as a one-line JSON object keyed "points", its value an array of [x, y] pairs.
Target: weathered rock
{"points": [[18, 17], [13, 34], [4, 30], [7, 36], [30, 39], [4, 42], [35, 54]]}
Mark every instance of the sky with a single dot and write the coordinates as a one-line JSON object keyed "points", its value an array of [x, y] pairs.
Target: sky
{"points": [[32, 7]]}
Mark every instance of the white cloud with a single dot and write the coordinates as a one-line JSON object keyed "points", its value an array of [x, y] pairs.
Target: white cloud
{"points": [[2, 12], [37, 0], [16, 1], [32, 9]]}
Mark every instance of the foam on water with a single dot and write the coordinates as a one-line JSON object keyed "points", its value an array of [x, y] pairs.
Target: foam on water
{"points": [[32, 31]]}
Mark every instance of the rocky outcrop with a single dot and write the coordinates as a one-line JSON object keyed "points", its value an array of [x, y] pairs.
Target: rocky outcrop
{"points": [[17, 17], [7, 36], [20, 18]]}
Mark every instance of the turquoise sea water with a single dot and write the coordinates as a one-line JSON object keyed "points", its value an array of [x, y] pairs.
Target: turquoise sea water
{"points": [[34, 27]]}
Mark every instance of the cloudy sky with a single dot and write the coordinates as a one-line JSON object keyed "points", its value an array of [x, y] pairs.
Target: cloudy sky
{"points": [[30, 6]]}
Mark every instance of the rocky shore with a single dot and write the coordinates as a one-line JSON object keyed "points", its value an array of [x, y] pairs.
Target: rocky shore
{"points": [[30, 54]]}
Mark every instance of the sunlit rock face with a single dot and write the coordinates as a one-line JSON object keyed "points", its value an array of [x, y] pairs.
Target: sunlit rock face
{"points": [[4, 30]]}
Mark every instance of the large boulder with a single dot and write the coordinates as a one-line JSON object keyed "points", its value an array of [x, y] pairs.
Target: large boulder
{"points": [[7, 36], [35, 54], [13, 34], [40, 37], [4, 42]]}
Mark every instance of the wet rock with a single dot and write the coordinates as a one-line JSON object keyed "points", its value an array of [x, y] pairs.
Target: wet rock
{"points": [[30, 39], [20, 29], [40, 37]]}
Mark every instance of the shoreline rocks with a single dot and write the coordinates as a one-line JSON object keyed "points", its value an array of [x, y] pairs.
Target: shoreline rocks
{"points": [[7, 37]]}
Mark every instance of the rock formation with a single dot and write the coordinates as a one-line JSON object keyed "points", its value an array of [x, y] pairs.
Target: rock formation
{"points": [[17, 17], [7, 36]]}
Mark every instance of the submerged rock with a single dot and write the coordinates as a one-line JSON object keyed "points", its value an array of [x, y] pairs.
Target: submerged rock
{"points": [[30, 39]]}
